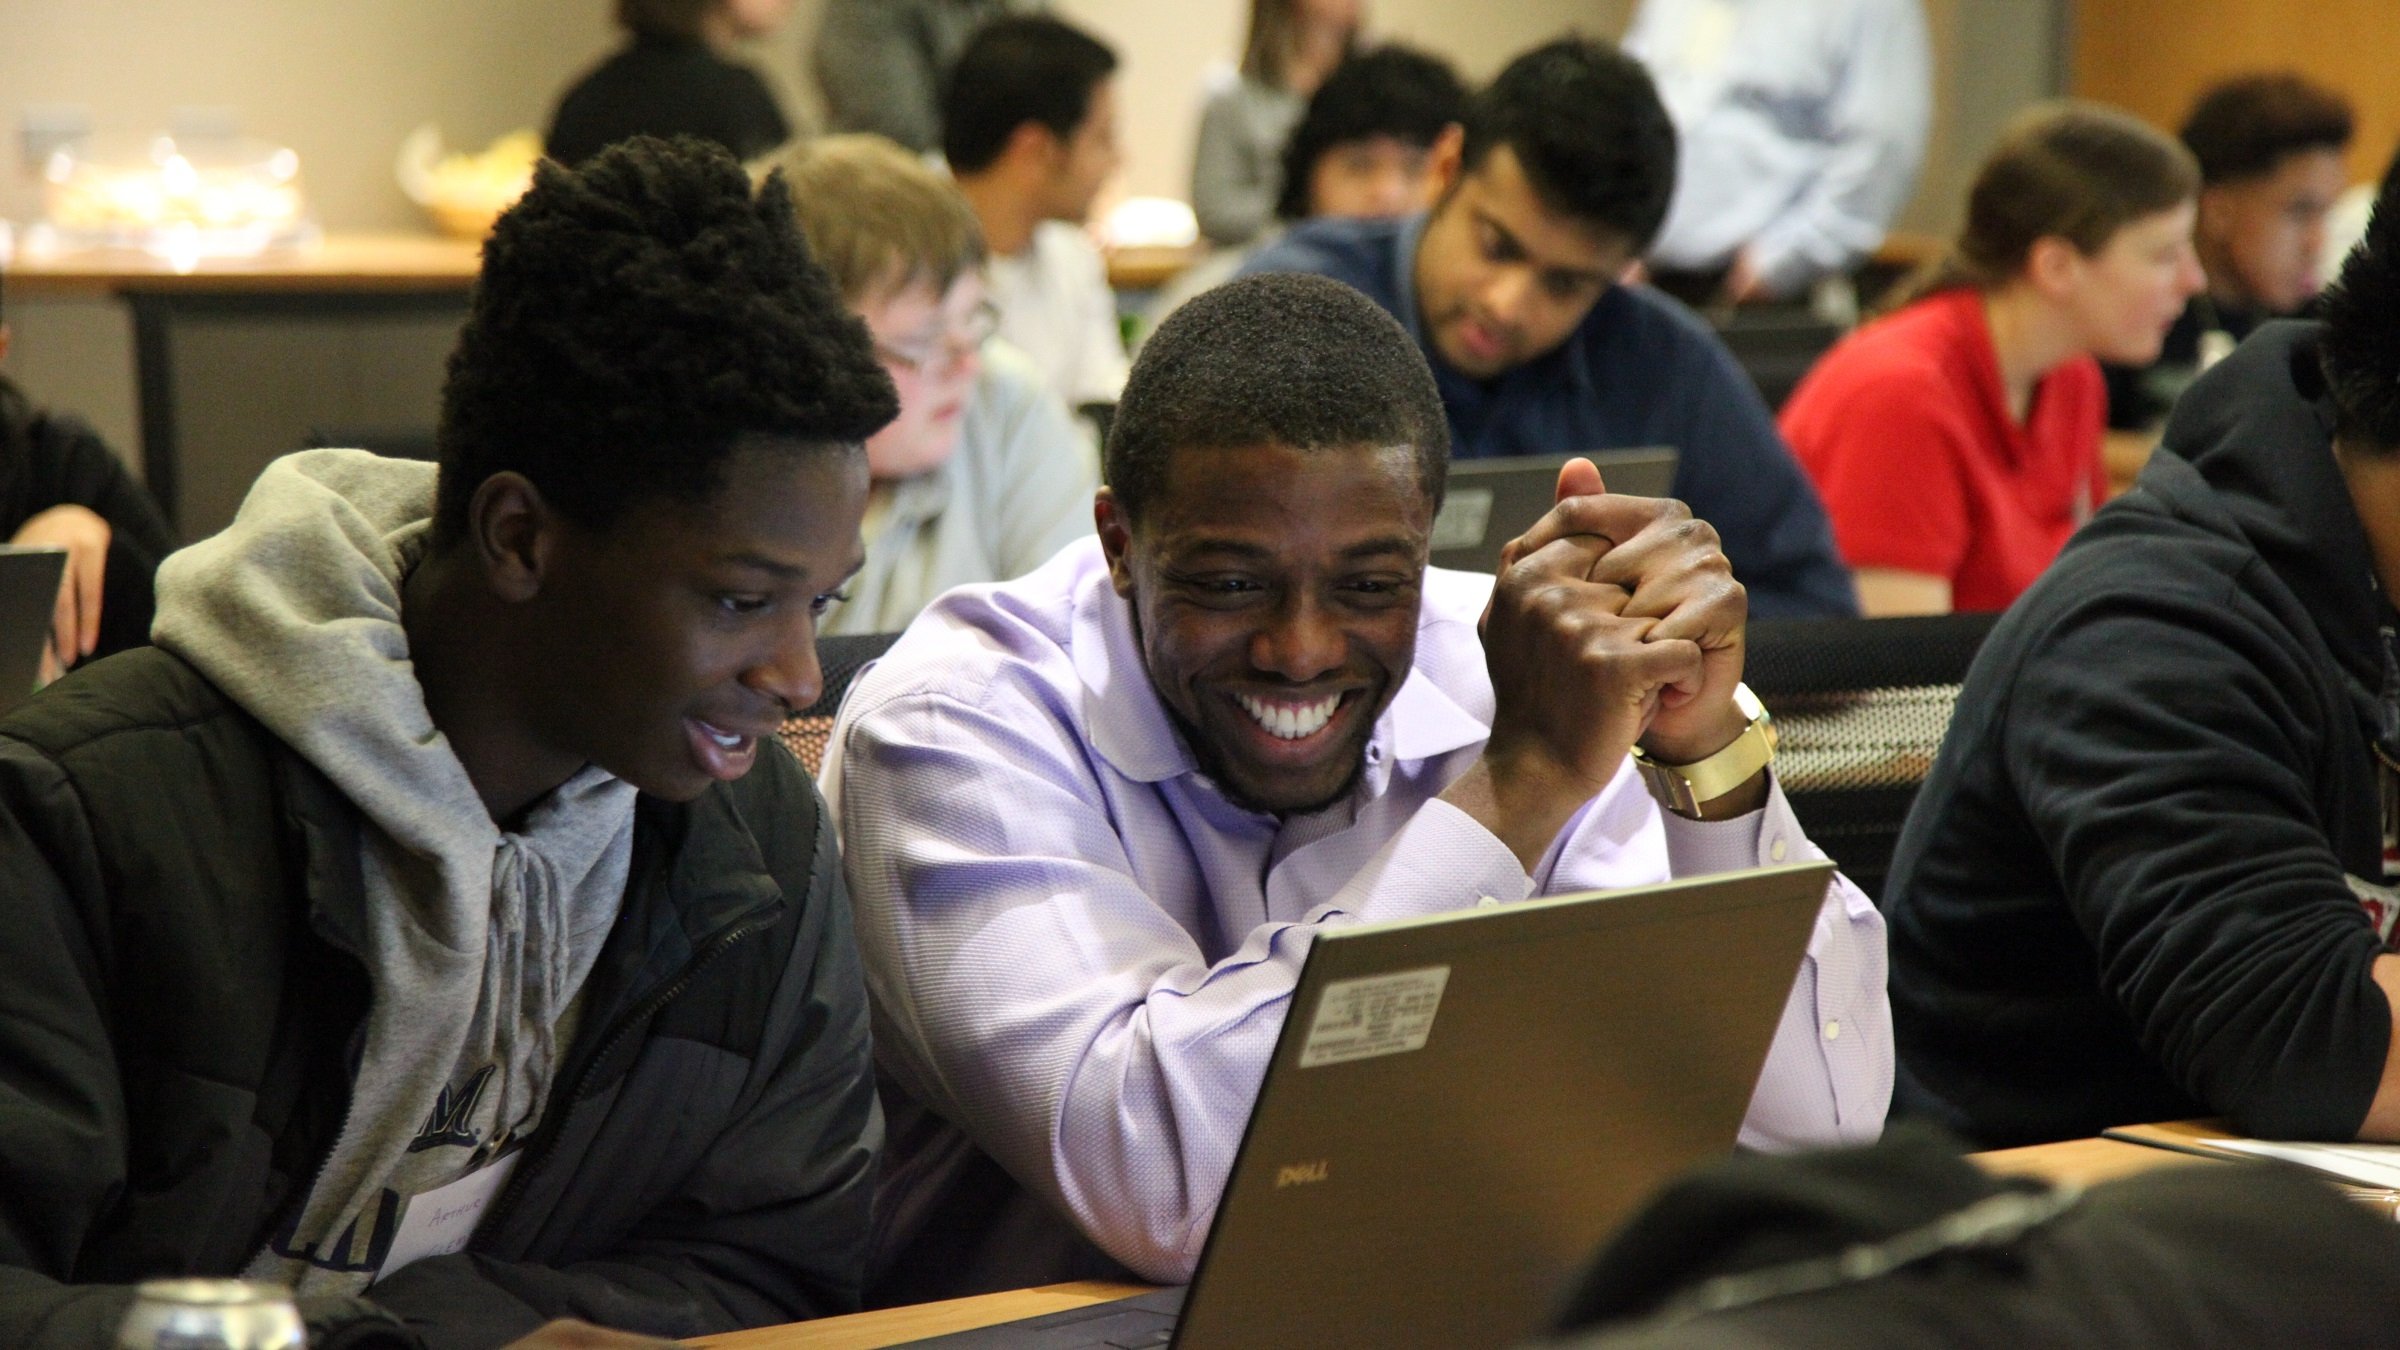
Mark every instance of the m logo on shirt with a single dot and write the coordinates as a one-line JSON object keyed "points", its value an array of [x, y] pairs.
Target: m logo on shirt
{"points": [[453, 1118]]}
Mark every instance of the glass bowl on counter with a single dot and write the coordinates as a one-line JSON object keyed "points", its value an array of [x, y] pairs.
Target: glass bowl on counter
{"points": [[184, 200]]}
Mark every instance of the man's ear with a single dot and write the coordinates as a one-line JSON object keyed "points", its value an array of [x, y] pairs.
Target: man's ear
{"points": [[512, 533], [2208, 222], [1034, 146], [1445, 161], [1116, 538]]}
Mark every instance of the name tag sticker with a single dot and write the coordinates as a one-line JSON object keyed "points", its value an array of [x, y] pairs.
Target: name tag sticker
{"points": [[1377, 1015], [442, 1220]]}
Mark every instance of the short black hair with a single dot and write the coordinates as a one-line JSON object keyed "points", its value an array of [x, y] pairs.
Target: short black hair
{"points": [[1019, 69], [2247, 127], [2360, 347], [636, 318], [1586, 122], [1390, 90], [1276, 359]]}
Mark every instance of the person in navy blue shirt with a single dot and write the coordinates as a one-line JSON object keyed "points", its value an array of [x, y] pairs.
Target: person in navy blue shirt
{"points": [[1511, 286]]}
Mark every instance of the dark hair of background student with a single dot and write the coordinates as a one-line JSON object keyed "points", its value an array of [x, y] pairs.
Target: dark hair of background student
{"points": [[1024, 68], [2246, 127], [1276, 359], [1392, 91], [2069, 170], [1585, 121], [636, 319]]}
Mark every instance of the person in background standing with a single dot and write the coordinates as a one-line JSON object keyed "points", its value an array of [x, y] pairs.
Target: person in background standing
{"points": [[1237, 168], [2270, 149], [1030, 130], [983, 475], [1956, 441], [1802, 128], [672, 78], [881, 64]]}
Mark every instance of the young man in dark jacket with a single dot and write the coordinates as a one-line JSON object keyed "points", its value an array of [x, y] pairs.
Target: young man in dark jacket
{"points": [[429, 921], [2149, 877]]}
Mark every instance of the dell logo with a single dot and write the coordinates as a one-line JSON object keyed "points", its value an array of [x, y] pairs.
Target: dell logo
{"points": [[1302, 1173]]}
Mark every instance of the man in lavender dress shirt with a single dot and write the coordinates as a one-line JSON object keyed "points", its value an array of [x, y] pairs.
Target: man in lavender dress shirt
{"points": [[1092, 817]]}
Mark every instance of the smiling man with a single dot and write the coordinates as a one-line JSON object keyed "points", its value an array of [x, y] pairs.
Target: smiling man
{"points": [[1510, 285], [439, 859], [1091, 818]]}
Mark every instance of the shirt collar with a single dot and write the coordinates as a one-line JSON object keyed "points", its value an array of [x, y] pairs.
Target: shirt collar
{"points": [[1130, 728]]}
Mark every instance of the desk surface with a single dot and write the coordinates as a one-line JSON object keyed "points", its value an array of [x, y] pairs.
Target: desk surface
{"points": [[2077, 1161]]}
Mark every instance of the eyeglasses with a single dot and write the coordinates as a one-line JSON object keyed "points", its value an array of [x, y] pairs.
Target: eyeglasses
{"points": [[956, 342]]}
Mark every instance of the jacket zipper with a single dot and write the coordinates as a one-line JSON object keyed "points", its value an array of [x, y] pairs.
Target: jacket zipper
{"points": [[547, 1137]]}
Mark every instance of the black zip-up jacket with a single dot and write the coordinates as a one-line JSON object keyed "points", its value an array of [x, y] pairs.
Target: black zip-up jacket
{"points": [[180, 909], [2121, 895]]}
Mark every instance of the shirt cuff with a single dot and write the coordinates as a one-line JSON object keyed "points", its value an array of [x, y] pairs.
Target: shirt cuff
{"points": [[1763, 838]]}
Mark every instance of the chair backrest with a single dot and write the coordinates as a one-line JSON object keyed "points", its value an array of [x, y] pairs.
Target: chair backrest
{"points": [[1861, 706], [1776, 346], [805, 732]]}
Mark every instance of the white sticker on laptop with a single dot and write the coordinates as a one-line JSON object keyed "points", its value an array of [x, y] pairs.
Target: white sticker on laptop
{"points": [[1376, 1015]]}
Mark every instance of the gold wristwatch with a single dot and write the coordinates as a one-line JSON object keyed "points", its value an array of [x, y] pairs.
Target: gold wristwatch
{"points": [[1685, 788]]}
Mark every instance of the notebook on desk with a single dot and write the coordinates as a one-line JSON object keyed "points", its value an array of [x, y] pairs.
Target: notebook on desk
{"points": [[28, 598], [1461, 1107], [1491, 501]]}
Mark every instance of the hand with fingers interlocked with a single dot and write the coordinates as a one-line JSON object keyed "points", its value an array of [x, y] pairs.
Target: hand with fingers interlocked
{"points": [[1614, 621]]}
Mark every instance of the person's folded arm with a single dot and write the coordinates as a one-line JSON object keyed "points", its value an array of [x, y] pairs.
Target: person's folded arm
{"points": [[1037, 996], [2163, 748]]}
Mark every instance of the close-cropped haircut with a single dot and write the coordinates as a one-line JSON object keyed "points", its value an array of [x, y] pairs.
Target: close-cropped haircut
{"points": [[637, 319], [1276, 359], [2248, 126], [2360, 348], [2070, 170], [879, 219], [1390, 91], [1019, 69], [1586, 123]]}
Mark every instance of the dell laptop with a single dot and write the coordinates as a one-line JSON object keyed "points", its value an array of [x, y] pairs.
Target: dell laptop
{"points": [[1492, 501], [1462, 1107]]}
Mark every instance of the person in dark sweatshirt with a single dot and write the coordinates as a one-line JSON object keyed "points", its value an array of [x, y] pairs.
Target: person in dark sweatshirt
{"points": [[673, 78], [429, 921], [2150, 876], [61, 486]]}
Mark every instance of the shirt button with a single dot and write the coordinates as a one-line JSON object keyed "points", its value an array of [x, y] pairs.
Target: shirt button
{"points": [[1833, 1030], [1777, 849], [1488, 902]]}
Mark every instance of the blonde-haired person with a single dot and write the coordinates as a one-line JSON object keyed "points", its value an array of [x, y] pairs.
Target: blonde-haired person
{"points": [[984, 474], [1237, 167], [1956, 440]]}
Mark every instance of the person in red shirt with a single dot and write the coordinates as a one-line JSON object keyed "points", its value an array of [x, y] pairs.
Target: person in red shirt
{"points": [[1956, 440]]}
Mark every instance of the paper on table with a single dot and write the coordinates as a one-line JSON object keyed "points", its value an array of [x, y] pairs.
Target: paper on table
{"points": [[2359, 1164]]}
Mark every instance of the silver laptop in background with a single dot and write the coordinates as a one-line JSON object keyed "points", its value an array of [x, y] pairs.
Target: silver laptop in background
{"points": [[1492, 501], [1462, 1107], [28, 598]]}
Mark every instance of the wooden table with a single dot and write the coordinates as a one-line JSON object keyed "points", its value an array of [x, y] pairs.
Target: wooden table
{"points": [[375, 282], [2081, 1162], [898, 1326]]}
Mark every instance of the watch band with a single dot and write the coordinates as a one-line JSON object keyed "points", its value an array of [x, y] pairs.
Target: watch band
{"points": [[1686, 788]]}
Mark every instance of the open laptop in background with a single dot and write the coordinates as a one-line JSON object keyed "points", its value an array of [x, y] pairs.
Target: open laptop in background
{"points": [[1492, 501], [28, 597], [1462, 1107]]}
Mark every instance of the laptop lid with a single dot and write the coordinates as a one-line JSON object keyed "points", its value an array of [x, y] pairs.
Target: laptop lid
{"points": [[1491, 501], [28, 597], [1462, 1107]]}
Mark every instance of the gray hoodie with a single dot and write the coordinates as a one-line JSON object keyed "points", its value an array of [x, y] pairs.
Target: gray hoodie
{"points": [[477, 939]]}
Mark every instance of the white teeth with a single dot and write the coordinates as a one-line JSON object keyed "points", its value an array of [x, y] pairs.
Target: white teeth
{"points": [[1290, 721], [728, 741]]}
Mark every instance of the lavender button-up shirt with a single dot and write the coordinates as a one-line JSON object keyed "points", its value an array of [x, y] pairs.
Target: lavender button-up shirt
{"points": [[1080, 952]]}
